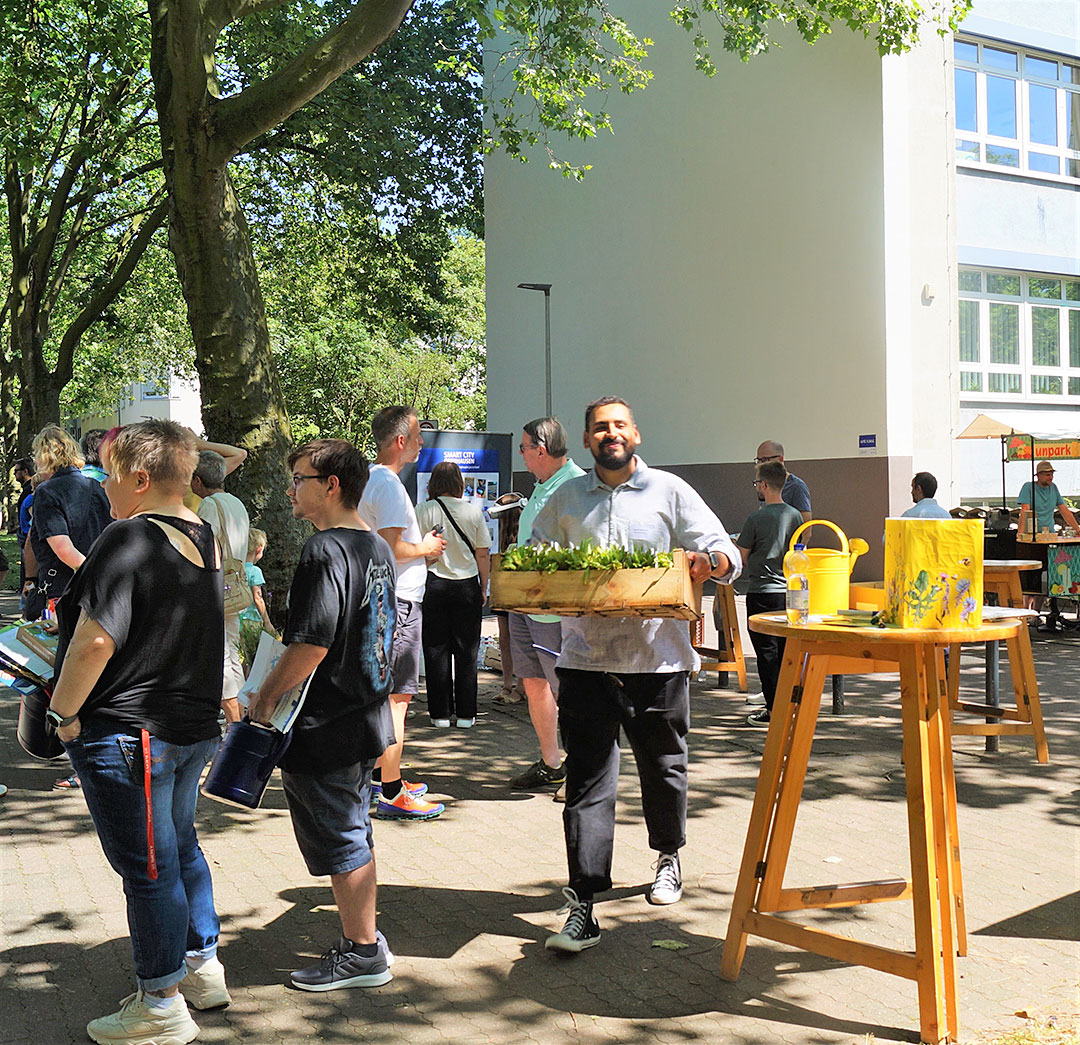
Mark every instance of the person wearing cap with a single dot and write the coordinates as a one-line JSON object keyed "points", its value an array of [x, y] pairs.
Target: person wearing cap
{"points": [[1045, 499], [535, 640]]}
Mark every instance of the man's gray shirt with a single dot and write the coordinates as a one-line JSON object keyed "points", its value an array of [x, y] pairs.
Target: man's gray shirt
{"points": [[652, 509]]}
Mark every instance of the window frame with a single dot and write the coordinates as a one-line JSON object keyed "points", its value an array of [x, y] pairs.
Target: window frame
{"points": [[1026, 369], [1022, 144]]}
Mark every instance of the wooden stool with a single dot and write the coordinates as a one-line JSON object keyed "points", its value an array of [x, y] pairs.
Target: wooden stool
{"points": [[935, 888], [730, 658]]}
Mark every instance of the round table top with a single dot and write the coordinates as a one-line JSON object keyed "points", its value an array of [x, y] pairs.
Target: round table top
{"points": [[1008, 565], [776, 624]]}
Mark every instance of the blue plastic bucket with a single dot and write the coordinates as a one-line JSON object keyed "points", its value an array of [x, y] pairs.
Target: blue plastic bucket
{"points": [[242, 766]]}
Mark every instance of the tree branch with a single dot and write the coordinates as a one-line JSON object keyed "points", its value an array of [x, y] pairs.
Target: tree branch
{"points": [[75, 239], [220, 13], [107, 292], [262, 106], [123, 179]]}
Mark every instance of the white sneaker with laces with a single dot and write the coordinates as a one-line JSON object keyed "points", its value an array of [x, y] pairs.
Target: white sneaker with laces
{"points": [[138, 1024], [204, 988], [580, 931], [667, 886], [757, 699]]}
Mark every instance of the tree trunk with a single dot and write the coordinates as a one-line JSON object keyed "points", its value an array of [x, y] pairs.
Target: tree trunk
{"points": [[209, 238]]}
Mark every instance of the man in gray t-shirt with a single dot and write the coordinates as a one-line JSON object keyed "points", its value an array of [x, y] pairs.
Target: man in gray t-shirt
{"points": [[763, 541]]}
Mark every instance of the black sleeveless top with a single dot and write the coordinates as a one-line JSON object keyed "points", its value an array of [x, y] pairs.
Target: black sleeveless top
{"points": [[166, 616]]}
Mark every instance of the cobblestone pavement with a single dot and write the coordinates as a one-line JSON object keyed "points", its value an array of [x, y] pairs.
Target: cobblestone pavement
{"points": [[467, 900]]}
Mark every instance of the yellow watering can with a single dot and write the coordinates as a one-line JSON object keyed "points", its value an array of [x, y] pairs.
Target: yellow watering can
{"points": [[828, 571]]}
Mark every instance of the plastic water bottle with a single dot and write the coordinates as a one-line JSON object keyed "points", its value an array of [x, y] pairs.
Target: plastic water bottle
{"points": [[796, 564]]}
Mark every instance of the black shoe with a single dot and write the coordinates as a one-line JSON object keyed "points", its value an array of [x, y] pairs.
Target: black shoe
{"points": [[580, 931], [341, 967], [758, 718], [538, 775]]}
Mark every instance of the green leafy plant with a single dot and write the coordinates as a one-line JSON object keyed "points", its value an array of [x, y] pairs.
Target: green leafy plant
{"points": [[548, 558]]}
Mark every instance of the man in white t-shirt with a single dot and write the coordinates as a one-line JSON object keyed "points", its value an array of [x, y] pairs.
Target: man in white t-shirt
{"points": [[386, 508], [228, 518]]}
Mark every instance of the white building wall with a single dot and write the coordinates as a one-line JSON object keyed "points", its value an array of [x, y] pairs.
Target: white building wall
{"points": [[726, 251], [920, 290], [745, 261]]}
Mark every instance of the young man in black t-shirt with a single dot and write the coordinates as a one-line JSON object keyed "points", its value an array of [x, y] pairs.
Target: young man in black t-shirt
{"points": [[340, 628]]}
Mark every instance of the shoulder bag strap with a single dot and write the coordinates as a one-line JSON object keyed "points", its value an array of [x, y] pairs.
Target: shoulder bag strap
{"points": [[226, 548], [453, 522]]}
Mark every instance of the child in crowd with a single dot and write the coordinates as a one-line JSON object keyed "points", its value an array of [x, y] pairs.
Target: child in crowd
{"points": [[257, 610]]}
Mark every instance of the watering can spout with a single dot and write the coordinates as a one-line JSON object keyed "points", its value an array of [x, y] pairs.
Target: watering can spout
{"points": [[858, 547]]}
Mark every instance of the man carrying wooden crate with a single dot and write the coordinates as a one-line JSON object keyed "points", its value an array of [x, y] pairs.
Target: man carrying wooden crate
{"points": [[625, 672]]}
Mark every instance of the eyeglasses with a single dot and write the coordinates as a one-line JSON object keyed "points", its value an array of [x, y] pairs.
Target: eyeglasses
{"points": [[297, 480], [522, 447], [758, 482], [762, 460]]}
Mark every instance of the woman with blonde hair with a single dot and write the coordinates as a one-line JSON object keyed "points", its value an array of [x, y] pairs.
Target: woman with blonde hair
{"points": [[70, 511], [136, 704]]}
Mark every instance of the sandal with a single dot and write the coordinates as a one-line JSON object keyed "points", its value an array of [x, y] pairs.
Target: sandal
{"points": [[67, 783], [509, 696]]}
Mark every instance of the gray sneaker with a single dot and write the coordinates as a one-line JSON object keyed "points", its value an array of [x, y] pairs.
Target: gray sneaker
{"points": [[342, 967], [538, 775]]}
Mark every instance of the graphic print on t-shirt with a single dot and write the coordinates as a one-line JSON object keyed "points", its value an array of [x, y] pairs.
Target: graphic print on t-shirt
{"points": [[378, 628]]}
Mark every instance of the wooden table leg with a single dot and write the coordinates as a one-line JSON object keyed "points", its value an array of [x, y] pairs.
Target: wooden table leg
{"points": [[944, 757], [1014, 593], [789, 795], [764, 808], [1026, 687], [935, 946]]}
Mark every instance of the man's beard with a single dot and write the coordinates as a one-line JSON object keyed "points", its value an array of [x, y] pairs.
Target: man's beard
{"points": [[613, 456]]}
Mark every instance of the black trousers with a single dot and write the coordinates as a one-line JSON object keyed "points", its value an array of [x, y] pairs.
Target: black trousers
{"points": [[654, 711], [768, 648], [451, 641]]}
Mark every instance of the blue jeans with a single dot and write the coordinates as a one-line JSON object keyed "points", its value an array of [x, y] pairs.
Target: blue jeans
{"points": [[172, 915]]}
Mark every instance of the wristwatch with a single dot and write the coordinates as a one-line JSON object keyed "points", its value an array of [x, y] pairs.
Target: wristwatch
{"points": [[714, 559], [57, 721]]}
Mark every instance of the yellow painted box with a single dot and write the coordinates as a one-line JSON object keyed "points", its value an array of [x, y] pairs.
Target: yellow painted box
{"points": [[934, 573], [654, 592]]}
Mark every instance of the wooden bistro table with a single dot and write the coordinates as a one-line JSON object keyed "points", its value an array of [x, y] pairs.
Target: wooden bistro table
{"points": [[935, 888], [1002, 577]]}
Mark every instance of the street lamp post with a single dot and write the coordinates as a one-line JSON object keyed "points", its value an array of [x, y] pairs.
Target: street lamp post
{"points": [[546, 288]]}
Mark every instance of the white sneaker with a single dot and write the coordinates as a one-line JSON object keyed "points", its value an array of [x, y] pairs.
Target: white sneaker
{"points": [[755, 698], [205, 988], [137, 1024], [667, 887]]}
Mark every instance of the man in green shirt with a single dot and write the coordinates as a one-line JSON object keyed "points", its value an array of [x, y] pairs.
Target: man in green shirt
{"points": [[535, 640]]}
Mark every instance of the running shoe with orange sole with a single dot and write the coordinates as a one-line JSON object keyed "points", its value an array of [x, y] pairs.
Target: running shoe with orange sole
{"points": [[407, 806]]}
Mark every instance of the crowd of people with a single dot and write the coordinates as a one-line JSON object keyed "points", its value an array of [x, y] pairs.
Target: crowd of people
{"points": [[138, 562]]}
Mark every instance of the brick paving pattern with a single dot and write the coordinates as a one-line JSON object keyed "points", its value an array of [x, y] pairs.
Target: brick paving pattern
{"points": [[467, 900]]}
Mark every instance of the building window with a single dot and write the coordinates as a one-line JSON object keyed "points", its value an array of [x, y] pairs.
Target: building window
{"points": [[1017, 110], [156, 389], [1019, 336]]}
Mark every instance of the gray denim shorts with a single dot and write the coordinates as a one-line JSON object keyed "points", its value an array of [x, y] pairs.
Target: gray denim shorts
{"points": [[526, 635], [331, 817], [405, 658]]}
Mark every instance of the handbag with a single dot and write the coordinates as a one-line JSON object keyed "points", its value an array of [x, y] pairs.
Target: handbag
{"points": [[238, 595], [453, 522]]}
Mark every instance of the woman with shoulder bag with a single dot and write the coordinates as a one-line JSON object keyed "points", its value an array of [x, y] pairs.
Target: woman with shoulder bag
{"points": [[136, 705], [454, 598]]}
